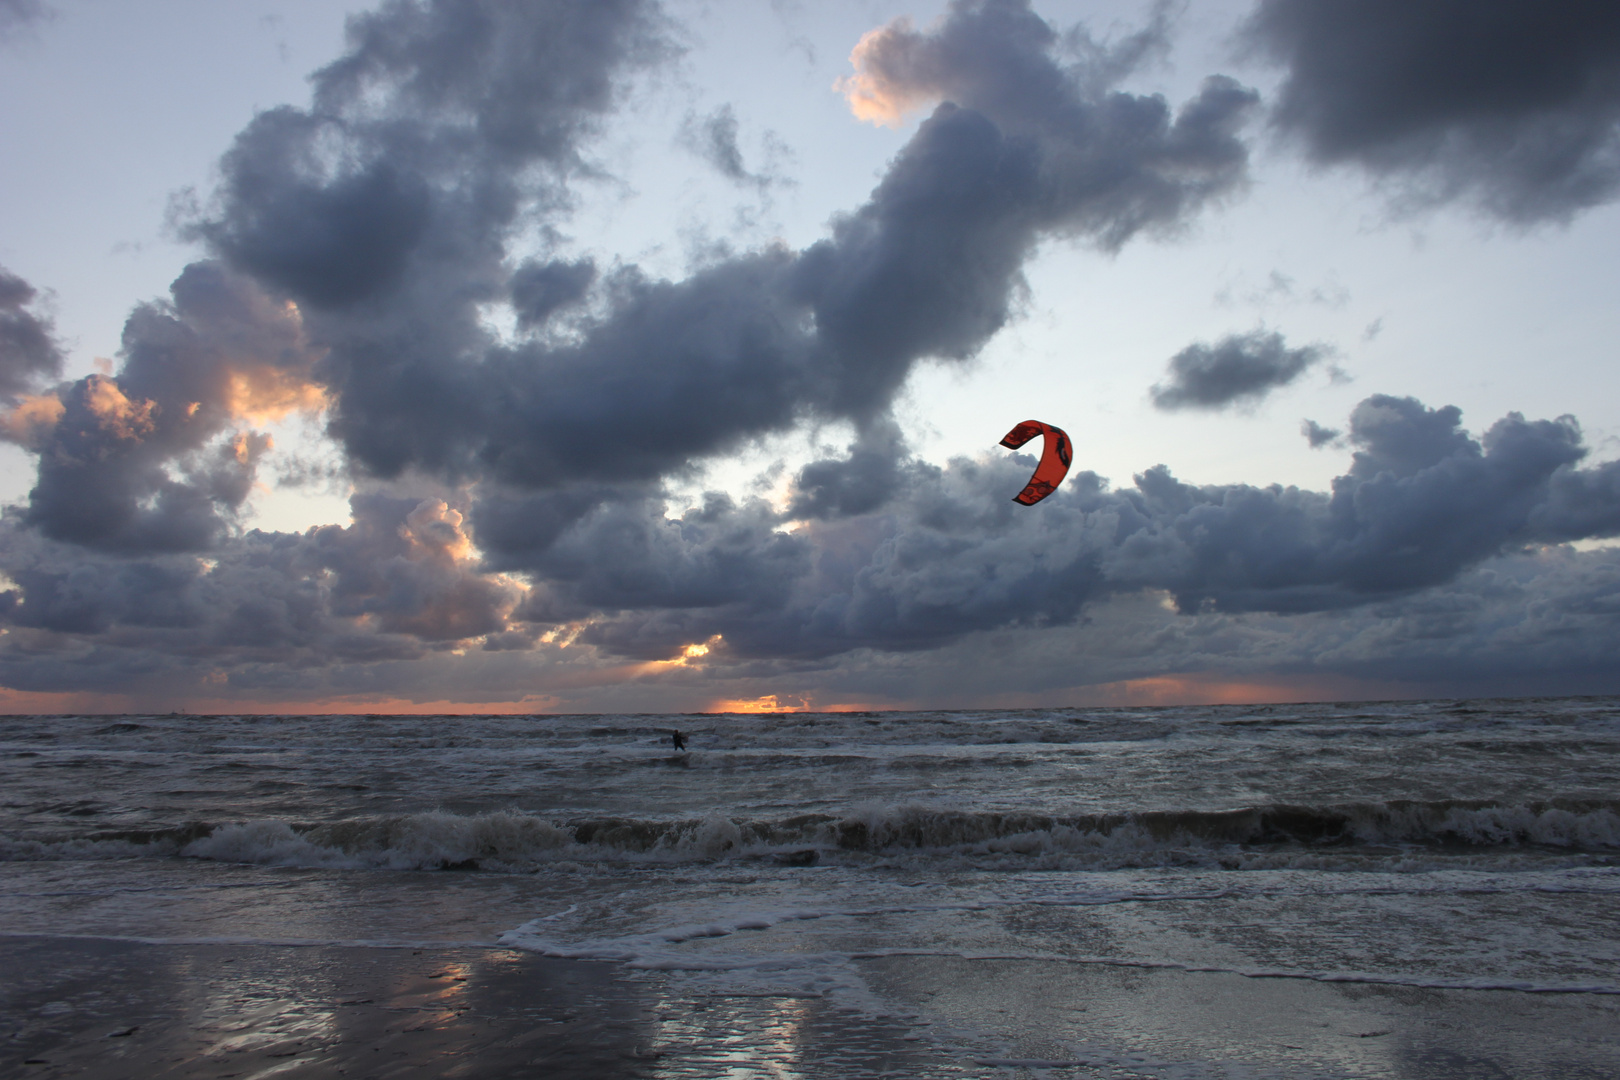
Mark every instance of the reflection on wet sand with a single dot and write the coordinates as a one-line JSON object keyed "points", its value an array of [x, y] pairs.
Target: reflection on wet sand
{"points": [[734, 1037], [253, 1012], [97, 1009], [100, 1009]]}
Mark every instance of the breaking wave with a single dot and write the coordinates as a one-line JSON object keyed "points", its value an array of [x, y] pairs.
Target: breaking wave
{"points": [[515, 841]]}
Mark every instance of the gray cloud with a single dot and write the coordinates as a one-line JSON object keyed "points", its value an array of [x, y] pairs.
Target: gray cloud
{"points": [[157, 459], [395, 584], [541, 289], [876, 468], [358, 241], [1239, 368], [714, 139], [424, 143], [29, 353], [384, 211], [1317, 435], [950, 555], [17, 15], [1512, 104], [393, 250], [1543, 622], [1422, 540]]}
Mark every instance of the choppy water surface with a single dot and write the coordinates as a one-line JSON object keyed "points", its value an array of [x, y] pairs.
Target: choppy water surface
{"points": [[1427, 845]]}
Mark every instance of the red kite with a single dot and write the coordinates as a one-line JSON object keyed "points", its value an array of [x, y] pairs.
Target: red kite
{"points": [[1055, 459]]}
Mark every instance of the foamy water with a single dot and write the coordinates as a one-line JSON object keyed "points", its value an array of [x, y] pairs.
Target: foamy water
{"points": [[1433, 845]]}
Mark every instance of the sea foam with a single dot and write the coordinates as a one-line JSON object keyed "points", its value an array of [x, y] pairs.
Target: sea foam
{"points": [[516, 841]]}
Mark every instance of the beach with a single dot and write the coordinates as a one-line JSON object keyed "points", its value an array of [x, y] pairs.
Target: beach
{"points": [[108, 1009], [1403, 890], [105, 1010]]}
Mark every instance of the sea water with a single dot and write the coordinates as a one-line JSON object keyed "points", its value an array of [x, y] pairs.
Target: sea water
{"points": [[1452, 845]]}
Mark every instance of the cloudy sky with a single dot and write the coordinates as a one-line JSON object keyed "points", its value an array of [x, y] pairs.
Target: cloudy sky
{"points": [[614, 355]]}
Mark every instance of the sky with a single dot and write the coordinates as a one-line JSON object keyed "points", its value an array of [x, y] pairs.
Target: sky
{"points": [[625, 356]]}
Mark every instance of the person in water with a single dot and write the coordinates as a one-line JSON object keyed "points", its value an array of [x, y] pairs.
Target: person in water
{"points": [[679, 740]]}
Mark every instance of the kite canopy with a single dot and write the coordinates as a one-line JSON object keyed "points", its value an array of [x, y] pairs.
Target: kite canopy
{"points": [[1055, 459]]}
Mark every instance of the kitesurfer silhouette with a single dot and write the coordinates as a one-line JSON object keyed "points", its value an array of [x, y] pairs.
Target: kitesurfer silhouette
{"points": [[679, 740]]}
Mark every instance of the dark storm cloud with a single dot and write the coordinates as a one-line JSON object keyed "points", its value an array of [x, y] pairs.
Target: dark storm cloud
{"points": [[1238, 369], [422, 145], [1422, 500], [149, 460], [716, 562], [402, 565], [1540, 622], [541, 289], [386, 200], [362, 240], [515, 529], [1511, 103], [29, 353], [389, 205], [950, 555], [1544, 622], [869, 477], [1407, 543], [392, 585]]}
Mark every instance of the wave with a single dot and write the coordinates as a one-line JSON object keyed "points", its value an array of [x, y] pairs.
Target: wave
{"points": [[1576, 824], [516, 841]]}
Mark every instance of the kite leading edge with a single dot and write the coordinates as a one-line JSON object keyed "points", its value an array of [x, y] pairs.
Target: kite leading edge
{"points": [[1055, 458]]}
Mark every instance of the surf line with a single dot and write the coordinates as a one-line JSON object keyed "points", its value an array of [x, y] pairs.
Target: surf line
{"points": [[1259, 973]]}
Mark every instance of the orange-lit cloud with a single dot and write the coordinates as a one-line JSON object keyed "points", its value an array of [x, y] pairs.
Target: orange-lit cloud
{"points": [[690, 653], [434, 532], [435, 591], [789, 703], [116, 413], [32, 420], [873, 92], [562, 636], [268, 379], [770, 703], [260, 394], [247, 447]]}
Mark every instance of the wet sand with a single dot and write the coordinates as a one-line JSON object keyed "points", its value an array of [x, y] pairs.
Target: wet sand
{"points": [[1057, 1019], [109, 1010]]}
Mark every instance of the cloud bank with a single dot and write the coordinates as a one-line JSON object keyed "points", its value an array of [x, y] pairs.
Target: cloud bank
{"points": [[512, 523], [1513, 105]]}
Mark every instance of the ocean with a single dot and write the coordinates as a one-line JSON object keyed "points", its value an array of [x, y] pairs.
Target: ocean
{"points": [[1398, 889]]}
